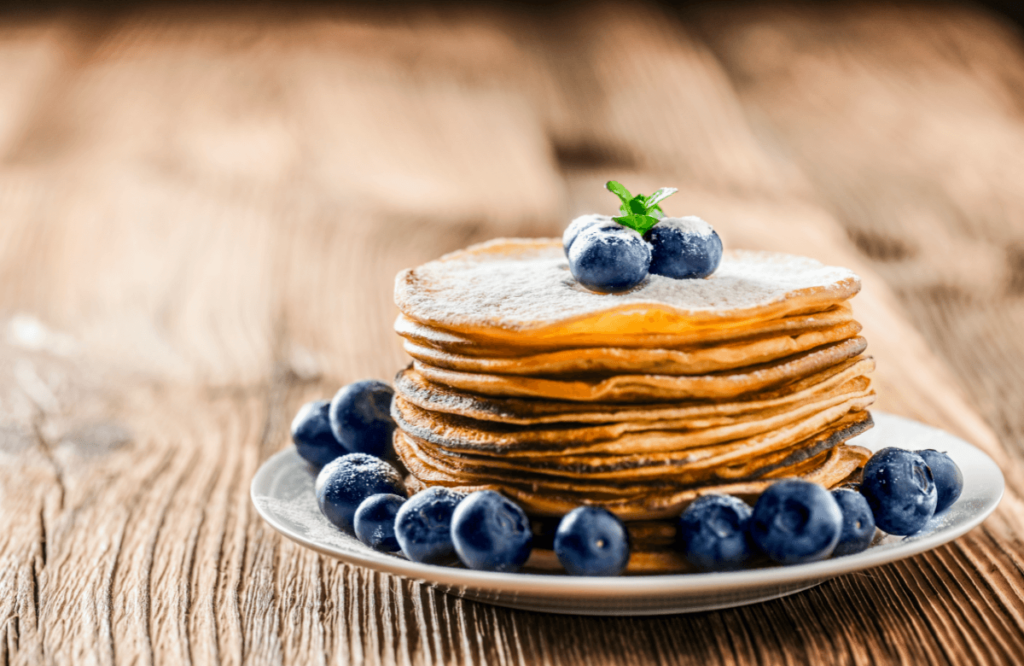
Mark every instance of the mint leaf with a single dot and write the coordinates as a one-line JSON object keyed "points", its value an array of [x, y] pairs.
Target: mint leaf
{"points": [[638, 223], [647, 223], [659, 196], [639, 212], [618, 190], [636, 205], [628, 221]]}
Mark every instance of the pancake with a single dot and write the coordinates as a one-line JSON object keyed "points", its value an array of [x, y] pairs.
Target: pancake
{"points": [[830, 468], [613, 494], [694, 361], [653, 543], [456, 343], [652, 546], [414, 388], [641, 562], [509, 290], [458, 433], [681, 465], [652, 388]]}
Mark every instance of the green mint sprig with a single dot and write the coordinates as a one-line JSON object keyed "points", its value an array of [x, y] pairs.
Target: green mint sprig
{"points": [[639, 212]]}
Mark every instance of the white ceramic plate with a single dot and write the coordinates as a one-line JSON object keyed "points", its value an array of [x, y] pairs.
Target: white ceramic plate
{"points": [[282, 491]]}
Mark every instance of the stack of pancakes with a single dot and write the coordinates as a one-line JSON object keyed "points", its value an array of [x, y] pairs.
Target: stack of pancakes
{"points": [[527, 383]]}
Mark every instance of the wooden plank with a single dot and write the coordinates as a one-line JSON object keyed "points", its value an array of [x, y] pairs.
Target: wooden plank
{"points": [[35, 59], [907, 122]]}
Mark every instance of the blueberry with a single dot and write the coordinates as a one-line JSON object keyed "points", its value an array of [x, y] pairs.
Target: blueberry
{"points": [[423, 525], [361, 417], [796, 521], [579, 224], [858, 522], [491, 533], [608, 257], [375, 521], [345, 482], [684, 247], [900, 488], [591, 541], [311, 432], [713, 532], [949, 480]]}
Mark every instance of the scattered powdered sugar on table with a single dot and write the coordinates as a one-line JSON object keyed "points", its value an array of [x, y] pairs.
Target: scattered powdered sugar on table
{"points": [[691, 224], [525, 283]]}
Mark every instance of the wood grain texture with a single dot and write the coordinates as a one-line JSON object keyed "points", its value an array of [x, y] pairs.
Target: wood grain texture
{"points": [[201, 214]]}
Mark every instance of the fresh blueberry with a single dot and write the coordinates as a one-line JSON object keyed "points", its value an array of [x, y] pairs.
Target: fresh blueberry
{"points": [[899, 486], [858, 522], [423, 525], [311, 432], [375, 521], [609, 257], [949, 480], [345, 482], [579, 224], [491, 533], [684, 247], [796, 521], [361, 417], [713, 532], [591, 541]]}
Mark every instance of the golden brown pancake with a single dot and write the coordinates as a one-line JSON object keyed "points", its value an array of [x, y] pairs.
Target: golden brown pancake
{"points": [[652, 546], [685, 466], [456, 343], [459, 433], [641, 562], [508, 290], [604, 360], [651, 388], [834, 464], [414, 388]]}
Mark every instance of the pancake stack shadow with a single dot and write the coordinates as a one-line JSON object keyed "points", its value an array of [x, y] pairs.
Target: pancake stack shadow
{"points": [[638, 403]]}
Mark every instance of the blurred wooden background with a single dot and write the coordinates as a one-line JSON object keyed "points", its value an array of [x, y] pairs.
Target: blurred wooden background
{"points": [[202, 210]]}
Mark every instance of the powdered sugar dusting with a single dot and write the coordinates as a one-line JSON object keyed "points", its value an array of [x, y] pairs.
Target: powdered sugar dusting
{"points": [[691, 224], [581, 223], [525, 283]]}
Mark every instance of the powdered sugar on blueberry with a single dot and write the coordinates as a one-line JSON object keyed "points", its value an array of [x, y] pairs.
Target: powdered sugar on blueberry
{"points": [[690, 225]]}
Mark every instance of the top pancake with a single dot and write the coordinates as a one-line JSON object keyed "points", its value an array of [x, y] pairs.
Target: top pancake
{"points": [[451, 342], [505, 288]]}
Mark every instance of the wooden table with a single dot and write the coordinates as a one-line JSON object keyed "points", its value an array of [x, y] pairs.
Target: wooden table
{"points": [[201, 213]]}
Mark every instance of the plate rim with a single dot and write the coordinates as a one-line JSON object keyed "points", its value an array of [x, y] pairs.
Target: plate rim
{"points": [[651, 585]]}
